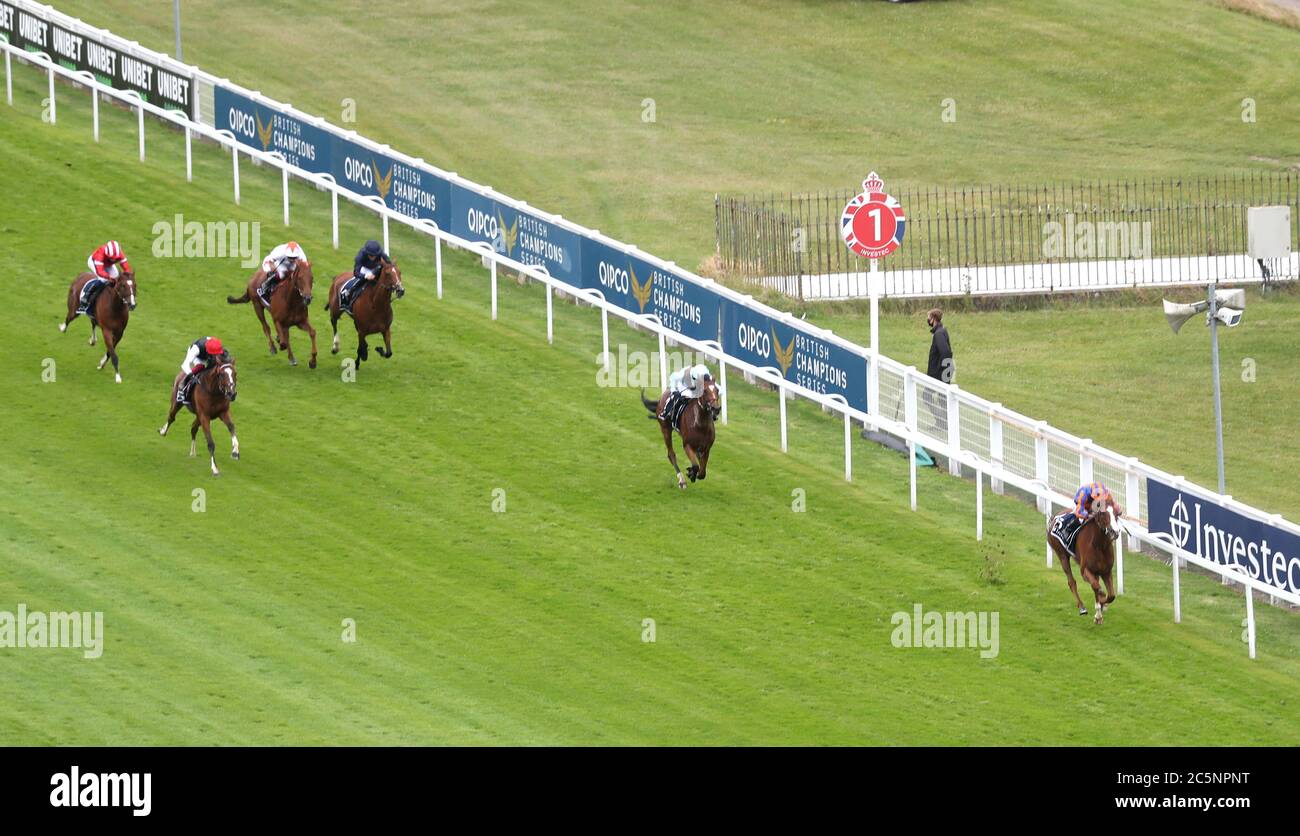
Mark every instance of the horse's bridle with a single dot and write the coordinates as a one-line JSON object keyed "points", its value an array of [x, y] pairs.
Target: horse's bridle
{"points": [[232, 393], [129, 282]]}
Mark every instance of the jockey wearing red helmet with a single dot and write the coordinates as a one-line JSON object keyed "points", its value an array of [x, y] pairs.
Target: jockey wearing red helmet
{"points": [[202, 354], [104, 261]]}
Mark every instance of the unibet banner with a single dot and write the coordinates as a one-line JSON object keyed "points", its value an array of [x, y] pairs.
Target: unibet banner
{"points": [[1223, 536], [810, 361], [637, 285], [156, 84]]}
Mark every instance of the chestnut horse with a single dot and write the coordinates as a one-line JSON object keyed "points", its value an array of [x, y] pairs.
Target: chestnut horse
{"points": [[1094, 547], [110, 310], [372, 312], [697, 426], [210, 398], [289, 303]]}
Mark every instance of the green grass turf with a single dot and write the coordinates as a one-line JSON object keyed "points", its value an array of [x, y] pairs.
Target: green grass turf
{"points": [[544, 102], [372, 500]]}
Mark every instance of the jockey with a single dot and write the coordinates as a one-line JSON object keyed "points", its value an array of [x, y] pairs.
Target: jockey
{"points": [[1068, 524], [202, 353], [278, 264], [104, 263], [685, 383], [365, 267]]}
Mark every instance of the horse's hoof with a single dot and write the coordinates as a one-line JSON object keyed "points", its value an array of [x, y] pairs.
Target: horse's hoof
{"points": [[334, 350], [272, 351], [235, 455], [162, 431], [117, 378], [63, 327], [293, 362], [1083, 610], [311, 364]]}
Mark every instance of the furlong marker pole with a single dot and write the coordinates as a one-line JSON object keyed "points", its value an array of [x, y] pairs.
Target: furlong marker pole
{"points": [[1214, 363]]}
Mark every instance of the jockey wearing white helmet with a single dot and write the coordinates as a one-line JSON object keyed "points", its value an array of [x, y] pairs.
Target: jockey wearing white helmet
{"points": [[278, 264], [685, 383]]}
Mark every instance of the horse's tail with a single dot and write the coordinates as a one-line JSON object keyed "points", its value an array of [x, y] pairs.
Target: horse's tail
{"points": [[653, 406], [239, 300]]}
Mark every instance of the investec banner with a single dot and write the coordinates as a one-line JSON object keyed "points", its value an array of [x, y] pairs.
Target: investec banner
{"points": [[411, 191], [1205, 529], [812, 362], [118, 70], [520, 235]]}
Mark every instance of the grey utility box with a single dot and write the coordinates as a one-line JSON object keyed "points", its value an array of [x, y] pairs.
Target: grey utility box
{"points": [[1268, 231]]}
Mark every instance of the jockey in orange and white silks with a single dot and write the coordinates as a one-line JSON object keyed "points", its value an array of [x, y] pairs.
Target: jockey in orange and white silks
{"points": [[685, 383], [1066, 526], [278, 264], [1087, 495]]}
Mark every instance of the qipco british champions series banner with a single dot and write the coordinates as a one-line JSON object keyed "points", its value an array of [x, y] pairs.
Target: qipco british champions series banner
{"points": [[155, 84], [812, 362], [1265, 552], [638, 286], [403, 188], [515, 233]]}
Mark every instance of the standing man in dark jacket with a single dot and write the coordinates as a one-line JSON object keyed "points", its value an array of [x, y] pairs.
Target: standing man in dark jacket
{"points": [[940, 366]]}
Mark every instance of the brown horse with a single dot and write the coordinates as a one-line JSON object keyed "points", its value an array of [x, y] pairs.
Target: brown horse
{"points": [[1094, 547], [697, 426], [111, 310], [289, 303], [372, 312], [210, 398]]}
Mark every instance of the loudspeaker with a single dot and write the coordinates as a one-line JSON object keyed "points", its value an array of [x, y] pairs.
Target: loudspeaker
{"points": [[1177, 313]]}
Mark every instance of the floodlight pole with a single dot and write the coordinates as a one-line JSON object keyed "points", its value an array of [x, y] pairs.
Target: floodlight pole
{"points": [[1218, 404], [176, 7]]}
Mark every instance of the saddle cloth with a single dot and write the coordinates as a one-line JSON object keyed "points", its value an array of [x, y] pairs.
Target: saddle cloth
{"points": [[88, 293], [1065, 528]]}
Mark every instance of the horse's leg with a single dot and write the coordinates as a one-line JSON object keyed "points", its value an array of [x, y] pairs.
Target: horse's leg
{"points": [[672, 455], [112, 352], [704, 461], [1095, 583], [387, 350], [363, 350], [282, 330], [171, 414], [1069, 576], [334, 323], [306, 326], [260, 310], [694, 470], [194, 434], [92, 332], [230, 425], [1109, 579], [206, 422]]}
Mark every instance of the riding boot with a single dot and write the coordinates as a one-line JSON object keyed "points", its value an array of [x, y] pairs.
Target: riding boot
{"points": [[668, 407]]}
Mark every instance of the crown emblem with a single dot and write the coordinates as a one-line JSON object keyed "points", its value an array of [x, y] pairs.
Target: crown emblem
{"points": [[873, 183]]}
